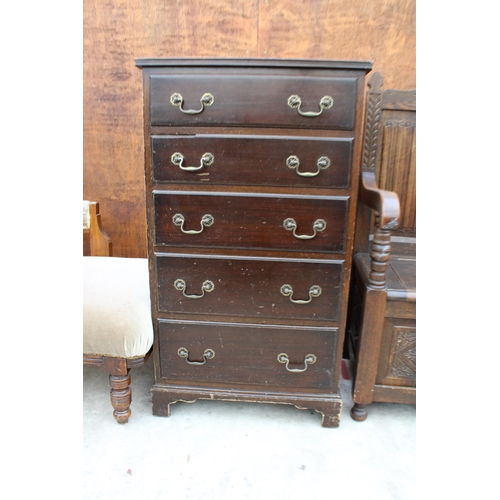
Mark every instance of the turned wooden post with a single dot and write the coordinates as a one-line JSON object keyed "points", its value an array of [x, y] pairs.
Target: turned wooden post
{"points": [[358, 412], [379, 257], [121, 397], [121, 392]]}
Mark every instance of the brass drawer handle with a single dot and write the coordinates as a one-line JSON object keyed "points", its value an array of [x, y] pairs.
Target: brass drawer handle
{"points": [[314, 291], [294, 101], [207, 286], [318, 226], [207, 354], [310, 359], [206, 221], [206, 160], [206, 100], [321, 164]]}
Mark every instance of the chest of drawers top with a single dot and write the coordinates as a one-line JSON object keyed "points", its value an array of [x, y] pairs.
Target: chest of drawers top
{"points": [[254, 93]]}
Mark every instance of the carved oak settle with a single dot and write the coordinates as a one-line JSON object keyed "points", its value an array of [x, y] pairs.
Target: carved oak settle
{"points": [[382, 315]]}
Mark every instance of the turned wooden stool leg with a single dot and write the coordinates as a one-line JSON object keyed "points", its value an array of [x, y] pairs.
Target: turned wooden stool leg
{"points": [[358, 412], [121, 397], [121, 392]]}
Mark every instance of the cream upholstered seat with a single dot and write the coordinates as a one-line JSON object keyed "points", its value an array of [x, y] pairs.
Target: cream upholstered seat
{"points": [[117, 324], [116, 307]]}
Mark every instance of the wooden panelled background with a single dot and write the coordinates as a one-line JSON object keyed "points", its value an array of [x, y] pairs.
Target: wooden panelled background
{"points": [[118, 31]]}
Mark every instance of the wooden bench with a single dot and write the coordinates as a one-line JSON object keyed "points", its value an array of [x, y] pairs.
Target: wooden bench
{"points": [[382, 314], [117, 324]]}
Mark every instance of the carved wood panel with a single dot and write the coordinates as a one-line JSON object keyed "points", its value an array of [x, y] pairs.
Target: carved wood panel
{"points": [[398, 365]]}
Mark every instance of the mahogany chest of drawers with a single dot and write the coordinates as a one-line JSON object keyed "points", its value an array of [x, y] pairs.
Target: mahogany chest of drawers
{"points": [[251, 171]]}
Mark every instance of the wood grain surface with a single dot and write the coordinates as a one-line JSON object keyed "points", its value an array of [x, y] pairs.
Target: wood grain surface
{"points": [[249, 288], [238, 346], [256, 221], [256, 160], [117, 32]]}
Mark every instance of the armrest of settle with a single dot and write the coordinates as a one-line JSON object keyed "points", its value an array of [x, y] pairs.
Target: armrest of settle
{"points": [[385, 204]]}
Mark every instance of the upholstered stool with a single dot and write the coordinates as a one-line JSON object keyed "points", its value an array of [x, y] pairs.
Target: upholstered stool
{"points": [[117, 324]]}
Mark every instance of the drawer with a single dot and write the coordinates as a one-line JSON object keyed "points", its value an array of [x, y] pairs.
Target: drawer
{"points": [[249, 287], [254, 220], [252, 160], [252, 100], [247, 354]]}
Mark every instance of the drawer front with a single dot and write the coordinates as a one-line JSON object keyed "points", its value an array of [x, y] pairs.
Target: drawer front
{"points": [[253, 160], [253, 100], [249, 287], [247, 354], [251, 221]]}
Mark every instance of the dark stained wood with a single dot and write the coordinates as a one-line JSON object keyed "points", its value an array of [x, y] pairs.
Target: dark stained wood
{"points": [[249, 287], [405, 247], [400, 276], [397, 170], [245, 252], [397, 360], [382, 324], [368, 340], [401, 307], [251, 221], [330, 406], [252, 160], [115, 366], [162, 62], [121, 397], [384, 203], [240, 358], [252, 100], [92, 359], [389, 159], [358, 412], [395, 394], [400, 100]]}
